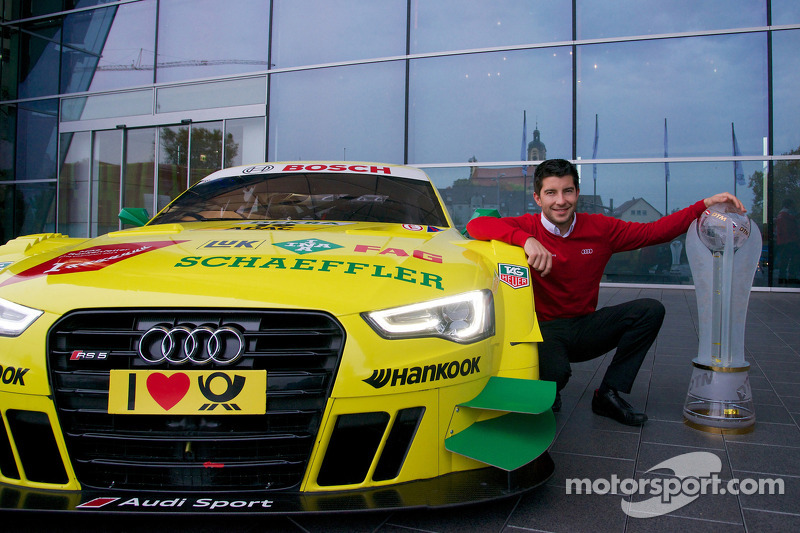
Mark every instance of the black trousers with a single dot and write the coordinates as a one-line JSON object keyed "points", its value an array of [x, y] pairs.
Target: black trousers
{"points": [[630, 327]]}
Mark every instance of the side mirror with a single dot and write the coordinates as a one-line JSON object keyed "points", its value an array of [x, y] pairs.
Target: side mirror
{"points": [[481, 212], [136, 216]]}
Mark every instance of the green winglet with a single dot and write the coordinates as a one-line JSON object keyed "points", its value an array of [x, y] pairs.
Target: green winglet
{"points": [[482, 212], [516, 438], [136, 216], [508, 442], [517, 395]]}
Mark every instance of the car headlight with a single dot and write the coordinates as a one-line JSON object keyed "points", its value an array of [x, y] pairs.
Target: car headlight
{"points": [[15, 318], [463, 318]]}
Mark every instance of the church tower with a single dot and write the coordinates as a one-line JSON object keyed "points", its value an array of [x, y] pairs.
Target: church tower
{"points": [[536, 148]]}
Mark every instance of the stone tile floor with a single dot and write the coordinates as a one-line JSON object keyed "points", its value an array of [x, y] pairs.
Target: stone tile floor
{"points": [[588, 446]]}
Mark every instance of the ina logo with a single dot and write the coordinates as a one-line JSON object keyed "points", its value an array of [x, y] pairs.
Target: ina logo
{"points": [[307, 246], [515, 276]]}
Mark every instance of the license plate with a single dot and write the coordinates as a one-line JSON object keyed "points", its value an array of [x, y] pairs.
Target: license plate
{"points": [[188, 392]]}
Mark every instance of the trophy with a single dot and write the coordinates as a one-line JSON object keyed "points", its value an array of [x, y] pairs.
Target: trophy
{"points": [[723, 248]]}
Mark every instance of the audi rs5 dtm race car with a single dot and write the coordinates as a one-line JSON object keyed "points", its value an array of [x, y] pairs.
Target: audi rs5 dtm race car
{"points": [[287, 337]]}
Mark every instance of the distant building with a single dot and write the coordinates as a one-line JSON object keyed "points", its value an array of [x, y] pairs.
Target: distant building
{"points": [[637, 210], [536, 148], [590, 203], [512, 179]]}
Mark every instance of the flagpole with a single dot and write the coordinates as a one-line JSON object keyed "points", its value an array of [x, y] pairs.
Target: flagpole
{"points": [[524, 157], [666, 172], [594, 166], [738, 172]]}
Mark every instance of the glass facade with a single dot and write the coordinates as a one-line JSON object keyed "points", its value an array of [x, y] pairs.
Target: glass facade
{"points": [[111, 103]]}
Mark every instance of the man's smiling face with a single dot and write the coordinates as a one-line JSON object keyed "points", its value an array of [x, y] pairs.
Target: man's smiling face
{"points": [[558, 199]]}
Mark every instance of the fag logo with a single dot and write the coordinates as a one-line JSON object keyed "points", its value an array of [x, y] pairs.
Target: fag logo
{"points": [[422, 374], [307, 246], [514, 276]]}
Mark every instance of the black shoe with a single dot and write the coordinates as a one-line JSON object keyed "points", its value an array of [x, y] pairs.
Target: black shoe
{"points": [[612, 406], [557, 402]]}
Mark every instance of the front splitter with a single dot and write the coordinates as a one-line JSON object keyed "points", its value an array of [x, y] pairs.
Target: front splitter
{"points": [[454, 489]]}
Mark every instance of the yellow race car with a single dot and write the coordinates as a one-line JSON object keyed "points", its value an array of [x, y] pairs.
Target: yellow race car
{"points": [[286, 337]]}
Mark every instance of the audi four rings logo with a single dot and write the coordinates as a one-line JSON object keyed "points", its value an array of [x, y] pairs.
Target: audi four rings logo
{"points": [[200, 345], [587, 251]]}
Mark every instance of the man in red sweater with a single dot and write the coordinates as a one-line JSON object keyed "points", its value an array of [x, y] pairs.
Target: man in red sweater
{"points": [[570, 252]]}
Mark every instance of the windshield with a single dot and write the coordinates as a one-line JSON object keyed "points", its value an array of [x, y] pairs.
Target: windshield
{"points": [[308, 196]]}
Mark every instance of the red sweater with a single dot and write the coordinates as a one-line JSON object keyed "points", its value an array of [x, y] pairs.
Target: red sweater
{"points": [[572, 286]]}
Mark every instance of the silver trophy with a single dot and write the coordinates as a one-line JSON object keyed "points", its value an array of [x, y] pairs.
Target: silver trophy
{"points": [[723, 248]]}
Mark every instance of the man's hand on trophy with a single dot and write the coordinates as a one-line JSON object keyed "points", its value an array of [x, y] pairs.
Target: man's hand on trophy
{"points": [[725, 197]]}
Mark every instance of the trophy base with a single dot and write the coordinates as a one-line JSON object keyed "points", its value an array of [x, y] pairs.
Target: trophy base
{"points": [[719, 399]]}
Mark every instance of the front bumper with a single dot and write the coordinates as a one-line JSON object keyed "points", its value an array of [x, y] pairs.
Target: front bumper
{"points": [[458, 488]]}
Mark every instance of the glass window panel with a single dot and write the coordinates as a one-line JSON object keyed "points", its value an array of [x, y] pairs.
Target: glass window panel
{"points": [[786, 105], [601, 19], [209, 95], [8, 138], [350, 30], [786, 220], [26, 208], [73, 184], [9, 66], [458, 25], [83, 33], [701, 85], [140, 163], [468, 106], [244, 141], [191, 45], [107, 105], [106, 167], [785, 12], [173, 163], [206, 150], [355, 113], [39, 58], [109, 48], [641, 193], [35, 8], [36, 150], [465, 189]]}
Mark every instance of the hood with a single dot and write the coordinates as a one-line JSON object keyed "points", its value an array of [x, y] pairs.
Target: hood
{"points": [[340, 267]]}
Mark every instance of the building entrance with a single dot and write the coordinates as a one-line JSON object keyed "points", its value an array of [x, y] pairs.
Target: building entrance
{"points": [[101, 171]]}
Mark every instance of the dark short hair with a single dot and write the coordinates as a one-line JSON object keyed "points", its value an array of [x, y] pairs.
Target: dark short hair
{"points": [[554, 167]]}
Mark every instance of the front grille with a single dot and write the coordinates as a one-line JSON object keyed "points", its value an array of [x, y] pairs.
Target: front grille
{"points": [[300, 350]]}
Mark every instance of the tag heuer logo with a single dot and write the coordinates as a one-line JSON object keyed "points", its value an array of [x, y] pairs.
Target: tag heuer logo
{"points": [[515, 276], [307, 246]]}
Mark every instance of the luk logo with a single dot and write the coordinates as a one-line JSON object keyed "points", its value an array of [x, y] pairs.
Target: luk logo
{"points": [[307, 246], [515, 276], [422, 374], [232, 244]]}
